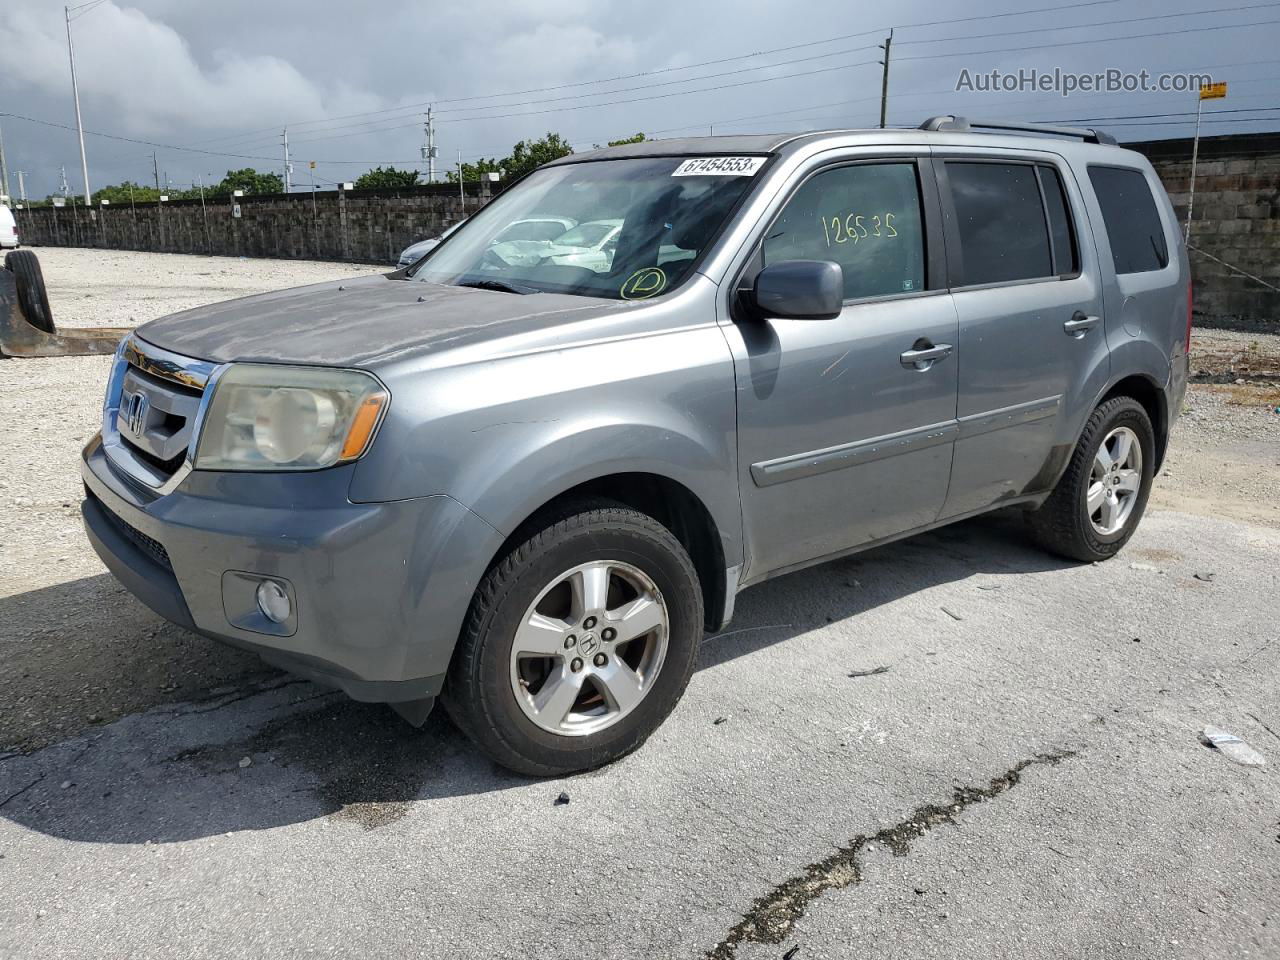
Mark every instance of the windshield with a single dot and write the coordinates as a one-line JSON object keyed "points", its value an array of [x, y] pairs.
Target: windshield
{"points": [[623, 229]]}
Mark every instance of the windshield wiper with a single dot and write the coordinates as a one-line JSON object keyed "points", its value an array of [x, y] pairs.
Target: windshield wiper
{"points": [[500, 285]]}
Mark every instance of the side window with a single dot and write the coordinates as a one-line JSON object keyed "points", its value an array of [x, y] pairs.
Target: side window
{"points": [[1001, 222], [866, 217], [1133, 223], [1066, 259]]}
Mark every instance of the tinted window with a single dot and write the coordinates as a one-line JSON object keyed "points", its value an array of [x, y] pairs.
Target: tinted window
{"points": [[865, 217], [1133, 224], [1065, 259], [1001, 222]]}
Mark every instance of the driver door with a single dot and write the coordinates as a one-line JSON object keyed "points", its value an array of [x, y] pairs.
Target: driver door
{"points": [[846, 426]]}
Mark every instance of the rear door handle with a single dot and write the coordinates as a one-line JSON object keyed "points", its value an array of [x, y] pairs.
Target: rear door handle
{"points": [[924, 355], [1079, 325]]}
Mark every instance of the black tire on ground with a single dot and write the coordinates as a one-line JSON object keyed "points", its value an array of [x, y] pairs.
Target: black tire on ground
{"points": [[1062, 525], [32, 295], [478, 693]]}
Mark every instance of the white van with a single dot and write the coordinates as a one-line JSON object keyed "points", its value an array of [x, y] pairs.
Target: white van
{"points": [[8, 228]]}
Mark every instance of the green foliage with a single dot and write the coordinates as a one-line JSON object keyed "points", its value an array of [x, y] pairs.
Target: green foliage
{"points": [[525, 156], [385, 178], [638, 138], [475, 171], [247, 179], [119, 194]]}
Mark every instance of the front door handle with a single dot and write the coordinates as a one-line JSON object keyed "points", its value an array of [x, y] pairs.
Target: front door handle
{"points": [[1079, 324], [924, 355]]}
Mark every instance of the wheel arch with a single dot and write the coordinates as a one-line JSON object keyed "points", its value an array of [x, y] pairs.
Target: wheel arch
{"points": [[670, 502], [1151, 395]]}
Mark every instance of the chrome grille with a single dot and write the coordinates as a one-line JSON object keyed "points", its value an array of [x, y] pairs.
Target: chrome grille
{"points": [[151, 418]]}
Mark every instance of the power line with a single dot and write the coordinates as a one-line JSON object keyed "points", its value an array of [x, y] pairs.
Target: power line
{"points": [[1099, 23], [1076, 43], [379, 126], [878, 31]]}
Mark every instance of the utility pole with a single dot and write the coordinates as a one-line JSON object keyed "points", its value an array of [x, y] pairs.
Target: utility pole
{"points": [[884, 80], [4, 170], [288, 167], [22, 188], [75, 93], [155, 169], [429, 149], [462, 194]]}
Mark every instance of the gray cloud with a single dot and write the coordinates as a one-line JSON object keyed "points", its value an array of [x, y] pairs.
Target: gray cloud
{"points": [[225, 79]]}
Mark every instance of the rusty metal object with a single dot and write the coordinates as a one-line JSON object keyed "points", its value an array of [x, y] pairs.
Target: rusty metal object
{"points": [[18, 338]]}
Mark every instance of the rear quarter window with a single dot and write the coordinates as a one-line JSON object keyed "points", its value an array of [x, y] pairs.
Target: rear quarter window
{"points": [[1133, 223]]}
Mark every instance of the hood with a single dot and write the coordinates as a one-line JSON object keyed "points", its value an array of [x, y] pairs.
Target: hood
{"points": [[359, 322]]}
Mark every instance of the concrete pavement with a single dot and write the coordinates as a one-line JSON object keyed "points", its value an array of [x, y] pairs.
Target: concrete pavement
{"points": [[1023, 780]]}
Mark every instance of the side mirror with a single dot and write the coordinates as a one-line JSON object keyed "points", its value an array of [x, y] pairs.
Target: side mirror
{"points": [[800, 290]]}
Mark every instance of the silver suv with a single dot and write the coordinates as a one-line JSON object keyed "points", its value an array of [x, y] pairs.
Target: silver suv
{"points": [[528, 484]]}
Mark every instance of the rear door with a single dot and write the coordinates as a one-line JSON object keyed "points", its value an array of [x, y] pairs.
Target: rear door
{"points": [[1029, 302], [843, 438]]}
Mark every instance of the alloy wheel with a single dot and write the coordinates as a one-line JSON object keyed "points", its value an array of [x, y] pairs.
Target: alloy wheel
{"points": [[1115, 481], [589, 648]]}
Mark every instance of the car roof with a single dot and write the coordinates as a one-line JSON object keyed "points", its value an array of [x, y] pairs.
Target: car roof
{"points": [[786, 143]]}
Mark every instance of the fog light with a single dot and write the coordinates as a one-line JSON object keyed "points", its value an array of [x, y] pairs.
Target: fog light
{"points": [[273, 601]]}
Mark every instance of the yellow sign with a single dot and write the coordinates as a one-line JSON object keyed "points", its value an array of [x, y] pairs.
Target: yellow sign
{"points": [[1213, 91], [313, 164]]}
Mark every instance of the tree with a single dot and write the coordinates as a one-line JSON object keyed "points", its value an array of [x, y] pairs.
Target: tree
{"points": [[638, 138], [476, 171], [525, 156], [380, 178], [247, 179], [120, 194]]}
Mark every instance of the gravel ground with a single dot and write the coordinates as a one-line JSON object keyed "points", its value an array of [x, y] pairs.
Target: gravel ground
{"points": [[1023, 780]]}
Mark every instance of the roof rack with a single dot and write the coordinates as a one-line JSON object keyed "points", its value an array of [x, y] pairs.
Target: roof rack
{"points": [[965, 125]]}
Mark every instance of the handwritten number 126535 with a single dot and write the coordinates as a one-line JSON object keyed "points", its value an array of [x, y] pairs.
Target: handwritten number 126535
{"points": [[858, 227]]}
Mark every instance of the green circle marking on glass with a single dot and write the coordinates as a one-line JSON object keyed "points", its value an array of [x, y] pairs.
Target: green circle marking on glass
{"points": [[644, 283]]}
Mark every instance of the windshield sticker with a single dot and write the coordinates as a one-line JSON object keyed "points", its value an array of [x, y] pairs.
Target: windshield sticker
{"points": [[720, 167], [645, 283]]}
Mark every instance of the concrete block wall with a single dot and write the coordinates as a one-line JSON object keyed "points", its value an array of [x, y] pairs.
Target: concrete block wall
{"points": [[1235, 218], [360, 225]]}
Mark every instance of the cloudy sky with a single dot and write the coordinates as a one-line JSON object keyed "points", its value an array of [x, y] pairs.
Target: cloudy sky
{"points": [[212, 85]]}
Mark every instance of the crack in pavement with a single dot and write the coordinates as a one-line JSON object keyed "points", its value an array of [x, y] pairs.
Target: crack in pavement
{"points": [[772, 916], [18, 793]]}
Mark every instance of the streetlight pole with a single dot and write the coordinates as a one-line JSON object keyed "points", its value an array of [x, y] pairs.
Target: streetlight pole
{"points": [[4, 170], [75, 92]]}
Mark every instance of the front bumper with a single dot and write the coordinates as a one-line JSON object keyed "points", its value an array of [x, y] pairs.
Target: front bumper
{"points": [[380, 589]]}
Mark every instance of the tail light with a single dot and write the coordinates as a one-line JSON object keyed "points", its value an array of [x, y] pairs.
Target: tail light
{"points": [[1189, 293]]}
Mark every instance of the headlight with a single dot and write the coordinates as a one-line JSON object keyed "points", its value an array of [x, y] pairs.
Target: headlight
{"points": [[267, 417]]}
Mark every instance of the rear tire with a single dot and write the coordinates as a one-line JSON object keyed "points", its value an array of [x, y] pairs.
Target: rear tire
{"points": [[33, 297], [590, 698], [1099, 500]]}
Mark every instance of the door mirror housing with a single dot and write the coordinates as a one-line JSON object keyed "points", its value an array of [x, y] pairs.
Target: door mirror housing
{"points": [[800, 290]]}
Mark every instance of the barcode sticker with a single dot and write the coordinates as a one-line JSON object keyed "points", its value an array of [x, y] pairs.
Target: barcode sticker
{"points": [[720, 167]]}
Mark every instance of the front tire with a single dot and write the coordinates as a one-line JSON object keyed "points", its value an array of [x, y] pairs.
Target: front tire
{"points": [[1099, 500], [578, 644]]}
